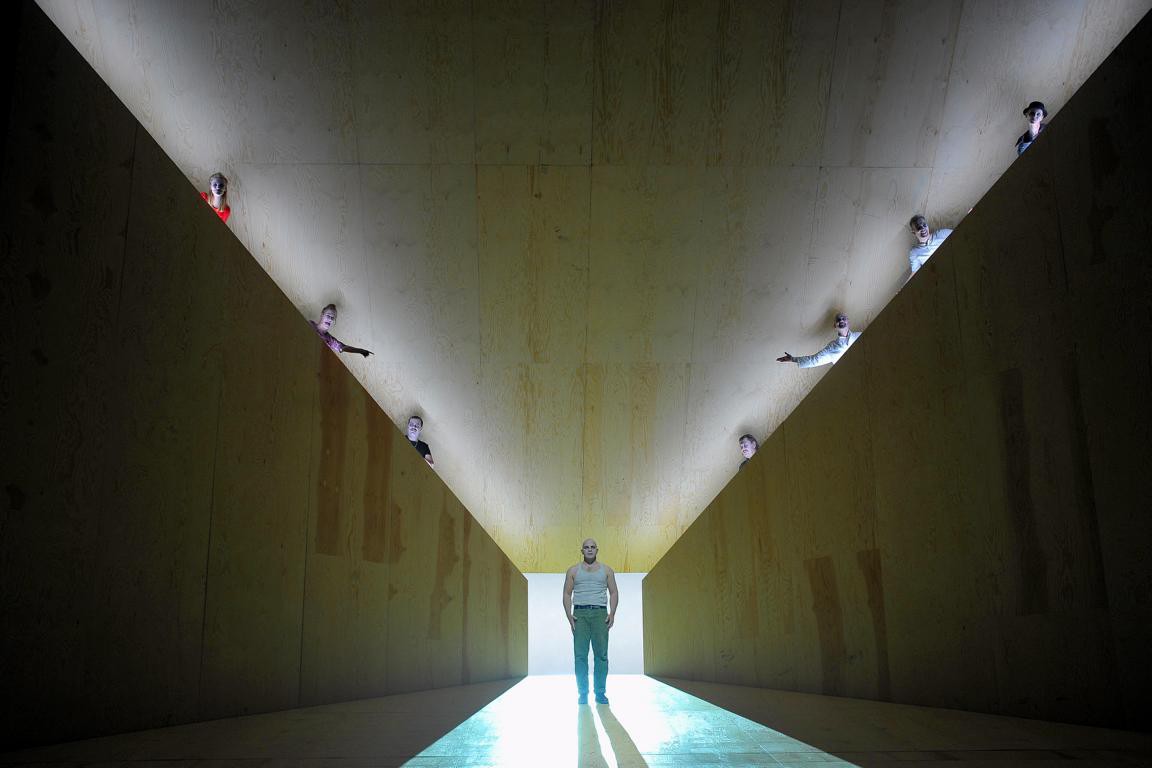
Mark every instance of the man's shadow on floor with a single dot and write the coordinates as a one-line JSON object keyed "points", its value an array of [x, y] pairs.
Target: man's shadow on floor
{"points": [[619, 742]]}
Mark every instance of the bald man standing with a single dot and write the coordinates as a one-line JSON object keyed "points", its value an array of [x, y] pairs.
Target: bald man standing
{"points": [[590, 600]]}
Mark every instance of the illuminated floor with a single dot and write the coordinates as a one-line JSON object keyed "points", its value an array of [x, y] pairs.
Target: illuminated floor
{"points": [[538, 723]]}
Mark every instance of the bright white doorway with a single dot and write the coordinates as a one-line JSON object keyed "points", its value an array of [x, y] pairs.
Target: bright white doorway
{"points": [[550, 639]]}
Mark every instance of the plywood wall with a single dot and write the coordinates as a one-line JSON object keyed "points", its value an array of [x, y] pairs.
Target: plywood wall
{"points": [[957, 515], [205, 515], [578, 233]]}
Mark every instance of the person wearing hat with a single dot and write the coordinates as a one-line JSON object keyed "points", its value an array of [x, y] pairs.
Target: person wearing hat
{"points": [[1035, 112]]}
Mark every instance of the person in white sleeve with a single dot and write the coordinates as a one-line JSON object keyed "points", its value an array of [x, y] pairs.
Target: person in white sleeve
{"points": [[845, 337], [927, 241]]}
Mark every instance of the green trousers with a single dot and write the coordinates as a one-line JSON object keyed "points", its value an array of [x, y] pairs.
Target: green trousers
{"points": [[590, 628]]}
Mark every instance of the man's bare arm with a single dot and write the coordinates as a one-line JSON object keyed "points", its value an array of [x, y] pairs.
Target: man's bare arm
{"points": [[569, 585], [613, 598]]}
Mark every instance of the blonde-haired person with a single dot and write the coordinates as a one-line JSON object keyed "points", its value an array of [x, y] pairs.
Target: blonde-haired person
{"points": [[324, 331], [217, 196]]}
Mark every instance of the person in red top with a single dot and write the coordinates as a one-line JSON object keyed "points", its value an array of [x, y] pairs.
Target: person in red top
{"points": [[218, 196]]}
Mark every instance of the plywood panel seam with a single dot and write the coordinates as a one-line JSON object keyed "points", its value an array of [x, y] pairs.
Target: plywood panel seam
{"points": [[208, 545], [687, 414], [365, 245], [955, 32], [869, 456], [1067, 285], [354, 119], [583, 507], [309, 512], [1083, 450], [475, 117], [477, 232], [127, 224], [828, 91], [964, 366]]}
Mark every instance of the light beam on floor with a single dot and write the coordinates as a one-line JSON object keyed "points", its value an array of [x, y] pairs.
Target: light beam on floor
{"points": [[539, 723]]}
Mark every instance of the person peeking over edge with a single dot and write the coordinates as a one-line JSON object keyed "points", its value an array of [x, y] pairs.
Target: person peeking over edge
{"points": [[927, 241], [845, 337], [415, 426], [748, 447], [1035, 113], [217, 196], [324, 331]]}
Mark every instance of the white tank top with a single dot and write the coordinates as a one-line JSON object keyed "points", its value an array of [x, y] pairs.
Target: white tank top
{"points": [[591, 586]]}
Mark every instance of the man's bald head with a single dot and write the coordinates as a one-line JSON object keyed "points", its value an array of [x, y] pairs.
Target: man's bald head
{"points": [[590, 549]]}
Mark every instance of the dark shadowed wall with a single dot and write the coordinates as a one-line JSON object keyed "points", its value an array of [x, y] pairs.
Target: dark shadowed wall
{"points": [[958, 514], [203, 513]]}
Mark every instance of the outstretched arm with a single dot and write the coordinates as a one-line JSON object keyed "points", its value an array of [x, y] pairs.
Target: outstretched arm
{"points": [[329, 340], [807, 361], [613, 598], [356, 350], [823, 357], [569, 585]]}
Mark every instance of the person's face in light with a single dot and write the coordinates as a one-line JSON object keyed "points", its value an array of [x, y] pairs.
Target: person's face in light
{"points": [[327, 319], [589, 549], [414, 427], [842, 324], [1034, 115], [919, 228], [218, 185], [748, 447]]}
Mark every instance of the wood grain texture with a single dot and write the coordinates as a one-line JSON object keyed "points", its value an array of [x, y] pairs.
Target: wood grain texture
{"points": [[545, 191], [204, 514], [319, 246], [947, 518], [889, 83], [347, 590], [261, 495], [411, 81], [768, 89], [651, 82], [533, 79], [533, 263]]}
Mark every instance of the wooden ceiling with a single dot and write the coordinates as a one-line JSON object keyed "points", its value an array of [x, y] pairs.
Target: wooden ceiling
{"points": [[577, 234]]}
